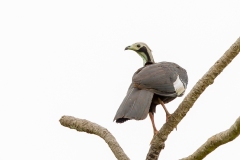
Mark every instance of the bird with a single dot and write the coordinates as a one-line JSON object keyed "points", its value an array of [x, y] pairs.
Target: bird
{"points": [[152, 84]]}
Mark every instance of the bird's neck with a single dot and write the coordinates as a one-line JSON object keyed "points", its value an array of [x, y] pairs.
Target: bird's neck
{"points": [[148, 63], [146, 55], [147, 58]]}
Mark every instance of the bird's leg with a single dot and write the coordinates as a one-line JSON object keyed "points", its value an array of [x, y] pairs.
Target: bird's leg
{"points": [[151, 115], [153, 124], [165, 109]]}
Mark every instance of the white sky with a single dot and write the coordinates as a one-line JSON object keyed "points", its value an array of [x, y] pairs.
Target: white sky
{"points": [[67, 58]]}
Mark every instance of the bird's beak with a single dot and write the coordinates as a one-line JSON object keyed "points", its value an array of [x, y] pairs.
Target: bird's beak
{"points": [[128, 48]]}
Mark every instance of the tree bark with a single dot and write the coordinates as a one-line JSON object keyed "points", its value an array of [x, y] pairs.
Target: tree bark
{"points": [[215, 141], [159, 139], [83, 125]]}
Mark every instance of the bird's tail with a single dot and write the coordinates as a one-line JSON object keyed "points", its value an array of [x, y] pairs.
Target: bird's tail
{"points": [[135, 105]]}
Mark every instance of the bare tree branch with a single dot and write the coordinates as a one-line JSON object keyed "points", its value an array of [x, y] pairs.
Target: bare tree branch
{"points": [[83, 125], [215, 141], [159, 139]]}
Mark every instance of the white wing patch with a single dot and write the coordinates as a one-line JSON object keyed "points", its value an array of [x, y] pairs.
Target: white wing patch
{"points": [[179, 86]]}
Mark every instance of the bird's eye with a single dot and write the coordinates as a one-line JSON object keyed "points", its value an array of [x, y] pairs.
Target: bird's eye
{"points": [[138, 45]]}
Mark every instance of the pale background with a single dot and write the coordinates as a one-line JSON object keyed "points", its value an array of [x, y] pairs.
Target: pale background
{"points": [[67, 58]]}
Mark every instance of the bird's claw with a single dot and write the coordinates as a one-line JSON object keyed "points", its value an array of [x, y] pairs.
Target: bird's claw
{"points": [[167, 117], [154, 134]]}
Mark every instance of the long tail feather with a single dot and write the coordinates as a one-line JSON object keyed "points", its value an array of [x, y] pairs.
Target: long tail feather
{"points": [[135, 105]]}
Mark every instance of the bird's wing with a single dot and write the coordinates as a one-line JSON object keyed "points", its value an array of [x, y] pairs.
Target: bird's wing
{"points": [[164, 78], [135, 105]]}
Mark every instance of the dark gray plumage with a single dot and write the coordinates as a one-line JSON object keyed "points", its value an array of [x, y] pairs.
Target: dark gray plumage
{"points": [[153, 84]]}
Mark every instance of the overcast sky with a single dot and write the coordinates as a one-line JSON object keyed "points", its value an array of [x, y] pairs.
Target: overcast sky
{"points": [[67, 58]]}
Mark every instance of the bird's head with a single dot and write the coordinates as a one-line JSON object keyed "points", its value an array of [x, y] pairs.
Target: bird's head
{"points": [[143, 50]]}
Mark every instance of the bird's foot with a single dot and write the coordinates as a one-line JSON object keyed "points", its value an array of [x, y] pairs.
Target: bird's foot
{"points": [[167, 117], [152, 139], [154, 134]]}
